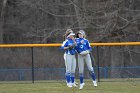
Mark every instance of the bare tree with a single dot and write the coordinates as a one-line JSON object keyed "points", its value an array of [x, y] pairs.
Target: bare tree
{"points": [[45, 21], [2, 20]]}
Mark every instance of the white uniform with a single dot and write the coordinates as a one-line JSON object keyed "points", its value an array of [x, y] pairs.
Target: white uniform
{"points": [[83, 48], [70, 60]]}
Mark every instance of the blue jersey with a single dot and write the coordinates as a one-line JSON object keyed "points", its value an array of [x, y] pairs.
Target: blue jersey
{"points": [[66, 43], [82, 45]]}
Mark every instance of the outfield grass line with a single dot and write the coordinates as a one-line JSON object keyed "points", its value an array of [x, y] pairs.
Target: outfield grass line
{"points": [[60, 87], [77, 80]]}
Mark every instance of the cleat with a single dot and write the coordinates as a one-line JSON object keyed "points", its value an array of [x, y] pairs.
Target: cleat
{"points": [[74, 85], [82, 85], [69, 85], [95, 83]]}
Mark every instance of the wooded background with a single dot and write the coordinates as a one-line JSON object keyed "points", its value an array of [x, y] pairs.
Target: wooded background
{"points": [[45, 21]]}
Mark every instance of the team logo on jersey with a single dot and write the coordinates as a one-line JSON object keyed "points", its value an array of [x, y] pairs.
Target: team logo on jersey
{"points": [[81, 46]]}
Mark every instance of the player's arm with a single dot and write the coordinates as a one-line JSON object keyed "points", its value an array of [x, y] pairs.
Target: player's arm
{"points": [[65, 48], [65, 45], [74, 42], [88, 46], [73, 45]]}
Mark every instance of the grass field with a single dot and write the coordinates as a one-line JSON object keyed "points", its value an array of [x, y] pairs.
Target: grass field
{"points": [[126, 86]]}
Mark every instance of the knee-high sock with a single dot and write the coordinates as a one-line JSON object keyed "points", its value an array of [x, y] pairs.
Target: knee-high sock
{"points": [[72, 77], [67, 77], [81, 77], [92, 74]]}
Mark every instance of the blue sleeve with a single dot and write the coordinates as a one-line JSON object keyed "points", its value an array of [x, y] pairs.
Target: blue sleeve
{"points": [[88, 46], [65, 44]]}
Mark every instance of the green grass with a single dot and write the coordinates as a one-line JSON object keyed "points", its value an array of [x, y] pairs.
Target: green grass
{"points": [[129, 86]]}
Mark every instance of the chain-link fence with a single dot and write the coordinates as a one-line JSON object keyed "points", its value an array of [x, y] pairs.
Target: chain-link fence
{"points": [[34, 64]]}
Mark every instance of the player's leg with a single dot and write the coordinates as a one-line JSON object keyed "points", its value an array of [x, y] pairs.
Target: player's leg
{"points": [[91, 70], [81, 70], [68, 65], [73, 68], [65, 63]]}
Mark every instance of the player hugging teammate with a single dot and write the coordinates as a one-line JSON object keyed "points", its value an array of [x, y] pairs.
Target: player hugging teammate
{"points": [[82, 47], [69, 57]]}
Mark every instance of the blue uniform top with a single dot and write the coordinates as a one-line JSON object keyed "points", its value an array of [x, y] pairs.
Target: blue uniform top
{"points": [[82, 45], [66, 43]]}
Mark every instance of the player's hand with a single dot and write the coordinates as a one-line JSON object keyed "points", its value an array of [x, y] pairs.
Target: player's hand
{"points": [[71, 47]]}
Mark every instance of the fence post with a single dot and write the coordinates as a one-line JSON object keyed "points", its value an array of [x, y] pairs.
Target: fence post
{"points": [[32, 64], [98, 61]]}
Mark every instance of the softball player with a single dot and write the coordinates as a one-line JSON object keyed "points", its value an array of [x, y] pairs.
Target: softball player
{"points": [[70, 60], [83, 48], [68, 31]]}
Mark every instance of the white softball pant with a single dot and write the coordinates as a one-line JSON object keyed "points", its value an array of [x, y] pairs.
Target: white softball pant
{"points": [[70, 63], [65, 61], [84, 59]]}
